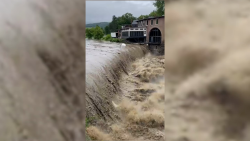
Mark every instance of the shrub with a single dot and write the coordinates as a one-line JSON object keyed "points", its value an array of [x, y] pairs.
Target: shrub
{"points": [[89, 33], [107, 37], [115, 40], [98, 33]]}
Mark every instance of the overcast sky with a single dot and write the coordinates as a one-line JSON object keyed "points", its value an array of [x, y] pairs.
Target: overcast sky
{"points": [[103, 11]]}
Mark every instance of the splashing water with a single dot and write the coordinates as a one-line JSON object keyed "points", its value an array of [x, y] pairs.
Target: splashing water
{"points": [[141, 105], [207, 71]]}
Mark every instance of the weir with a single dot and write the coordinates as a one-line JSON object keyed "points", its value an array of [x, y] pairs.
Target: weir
{"points": [[103, 73], [125, 95]]}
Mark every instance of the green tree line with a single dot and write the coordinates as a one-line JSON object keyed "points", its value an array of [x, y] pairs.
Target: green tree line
{"points": [[160, 8], [98, 34], [117, 22], [127, 18]]}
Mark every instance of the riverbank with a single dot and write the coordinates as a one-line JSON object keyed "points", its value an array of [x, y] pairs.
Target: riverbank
{"points": [[139, 107]]}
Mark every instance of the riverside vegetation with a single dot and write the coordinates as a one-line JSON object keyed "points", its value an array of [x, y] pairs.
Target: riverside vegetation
{"points": [[98, 34]]}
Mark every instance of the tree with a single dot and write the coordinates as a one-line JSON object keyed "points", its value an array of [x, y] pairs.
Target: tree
{"points": [[103, 30], [107, 30], [113, 25], [98, 33], [126, 19], [89, 33], [160, 7], [154, 14], [117, 22], [114, 18], [142, 17]]}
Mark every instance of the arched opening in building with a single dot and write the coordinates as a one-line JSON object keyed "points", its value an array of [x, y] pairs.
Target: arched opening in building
{"points": [[155, 36]]}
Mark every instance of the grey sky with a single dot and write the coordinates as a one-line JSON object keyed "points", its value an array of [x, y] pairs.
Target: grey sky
{"points": [[102, 11]]}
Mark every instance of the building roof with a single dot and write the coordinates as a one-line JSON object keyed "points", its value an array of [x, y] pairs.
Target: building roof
{"points": [[150, 18], [134, 22]]}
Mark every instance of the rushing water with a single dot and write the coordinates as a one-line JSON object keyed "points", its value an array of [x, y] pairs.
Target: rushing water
{"points": [[41, 70], [109, 77], [105, 61], [99, 52]]}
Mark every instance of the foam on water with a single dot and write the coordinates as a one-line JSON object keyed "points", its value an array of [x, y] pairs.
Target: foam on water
{"points": [[105, 63]]}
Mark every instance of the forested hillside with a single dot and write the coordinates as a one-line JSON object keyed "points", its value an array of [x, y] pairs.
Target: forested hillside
{"points": [[101, 24]]}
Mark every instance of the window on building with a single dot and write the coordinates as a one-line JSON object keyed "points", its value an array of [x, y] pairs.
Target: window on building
{"points": [[147, 22], [124, 34], [152, 22], [136, 33], [156, 21]]}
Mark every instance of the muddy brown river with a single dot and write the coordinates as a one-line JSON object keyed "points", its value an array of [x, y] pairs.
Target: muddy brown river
{"points": [[98, 53], [127, 92], [207, 79], [105, 62]]}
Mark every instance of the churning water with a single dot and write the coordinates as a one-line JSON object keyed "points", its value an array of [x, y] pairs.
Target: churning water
{"points": [[207, 65], [105, 61], [126, 93]]}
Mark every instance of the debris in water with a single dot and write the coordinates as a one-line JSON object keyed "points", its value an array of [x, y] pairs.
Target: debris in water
{"points": [[123, 45]]}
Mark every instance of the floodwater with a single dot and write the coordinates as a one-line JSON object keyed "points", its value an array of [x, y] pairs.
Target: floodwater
{"points": [[42, 81], [207, 58], [140, 107], [98, 53], [105, 62], [131, 78]]}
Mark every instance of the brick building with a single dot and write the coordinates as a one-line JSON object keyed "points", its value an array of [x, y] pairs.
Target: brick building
{"points": [[149, 31], [154, 33]]}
